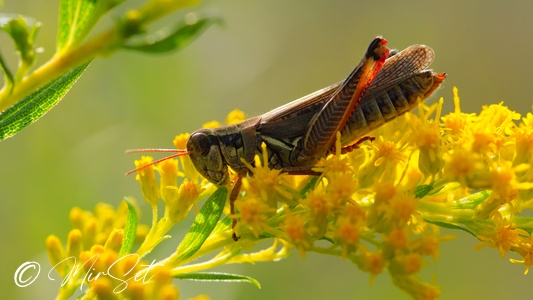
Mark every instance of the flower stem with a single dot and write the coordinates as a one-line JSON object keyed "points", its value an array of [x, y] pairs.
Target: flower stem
{"points": [[103, 43], [59, 65]]}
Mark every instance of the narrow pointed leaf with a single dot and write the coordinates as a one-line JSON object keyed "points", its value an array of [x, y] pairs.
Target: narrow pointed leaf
{"points": [[422, 190], [34, 106], [308, 187], [203, 225], [223, 224], [473, 200], [78, 17], [450, 226], [130, 230], [219, 277], [171, 39]]}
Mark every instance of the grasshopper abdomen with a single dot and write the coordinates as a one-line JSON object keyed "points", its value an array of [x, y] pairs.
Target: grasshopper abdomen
{"points": [[379, 108]]}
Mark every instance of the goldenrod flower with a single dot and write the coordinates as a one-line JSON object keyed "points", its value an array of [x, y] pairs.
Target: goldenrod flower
{"points": [[525, 249], [504, 236], [383, 165], [56, 254], [92, 257], [212, 124], [297, 233], [378, 207], [188, 193], [319, 210], [188, 170], [398, 239], [269, 184], [146, 177], [254, 213], [168, 170], [235, 116], [408, 264], [373, 263], [428, 139], [348, 230], [180, 198]]}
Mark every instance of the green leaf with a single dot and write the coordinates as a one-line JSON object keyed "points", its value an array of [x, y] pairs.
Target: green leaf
{"points": [[224, 224], [204, 223], [450, 226], [77, 18], [473, 200], [308, 187], [23, 36], [130, 230], [422, 190], [34, 106], [220, 277], [523, 222], [170, 39]]}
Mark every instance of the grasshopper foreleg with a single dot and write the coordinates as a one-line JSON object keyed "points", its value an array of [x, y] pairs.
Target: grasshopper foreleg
{"points": [[232, 197]]}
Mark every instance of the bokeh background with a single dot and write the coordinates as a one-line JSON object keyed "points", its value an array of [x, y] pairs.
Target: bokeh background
{"points": [[266, 54]]}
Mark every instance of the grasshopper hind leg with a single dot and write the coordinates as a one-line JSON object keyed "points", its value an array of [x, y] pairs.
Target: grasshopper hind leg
{"points": [[354, 146], [321, 134]]}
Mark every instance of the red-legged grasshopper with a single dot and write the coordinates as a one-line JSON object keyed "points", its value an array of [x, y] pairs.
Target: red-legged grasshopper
{"points": [[298, 134]]}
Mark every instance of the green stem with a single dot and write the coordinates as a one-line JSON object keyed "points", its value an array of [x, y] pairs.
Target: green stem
{"points": [[213, 243], [156, 234], [59, 65], [210, 264], [106, 42], [444, 209], [328, 251]]}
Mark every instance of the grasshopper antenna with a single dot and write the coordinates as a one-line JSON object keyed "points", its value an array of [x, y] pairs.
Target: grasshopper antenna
{"points": [[180, 152]]}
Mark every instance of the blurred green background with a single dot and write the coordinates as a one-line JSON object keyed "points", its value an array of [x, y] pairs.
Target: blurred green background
{"points": [[268, 53]]}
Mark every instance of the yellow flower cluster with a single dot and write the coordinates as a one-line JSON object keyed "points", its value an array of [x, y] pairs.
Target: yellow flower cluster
{"points": [[376, 205], [91, 262], [379, 207]]}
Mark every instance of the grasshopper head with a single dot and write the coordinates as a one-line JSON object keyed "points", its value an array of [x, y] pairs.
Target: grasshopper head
{"points": [[204, 150]]}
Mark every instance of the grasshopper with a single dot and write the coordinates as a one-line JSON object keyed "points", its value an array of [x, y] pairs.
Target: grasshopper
{"points": [[383, 86]]}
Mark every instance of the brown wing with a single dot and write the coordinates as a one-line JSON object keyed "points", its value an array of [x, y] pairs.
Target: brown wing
{"points": [[291, 119], [403, 65], [295, 114]]}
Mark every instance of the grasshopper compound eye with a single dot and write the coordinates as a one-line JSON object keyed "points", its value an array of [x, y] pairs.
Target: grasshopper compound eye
{"points": [[198, 143]]}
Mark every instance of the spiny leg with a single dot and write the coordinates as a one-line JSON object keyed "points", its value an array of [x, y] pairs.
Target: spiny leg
{"points": [[355, 145], [233, 196], [301, 171]]}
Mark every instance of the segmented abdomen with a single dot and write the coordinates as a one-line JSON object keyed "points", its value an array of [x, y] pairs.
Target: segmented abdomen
{"points": [[379, 108]]}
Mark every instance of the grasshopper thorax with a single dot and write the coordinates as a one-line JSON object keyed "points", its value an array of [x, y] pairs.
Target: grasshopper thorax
{"points": [[203, 147]]}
